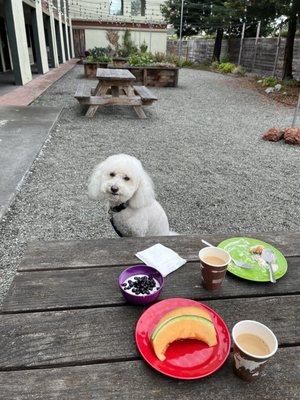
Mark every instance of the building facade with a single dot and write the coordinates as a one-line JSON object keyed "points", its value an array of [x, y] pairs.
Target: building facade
{"points": [[92, 19], [35, 35]]}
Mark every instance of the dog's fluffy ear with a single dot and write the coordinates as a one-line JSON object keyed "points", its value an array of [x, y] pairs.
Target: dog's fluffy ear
{"points": [[144, 194], [94, 185]]}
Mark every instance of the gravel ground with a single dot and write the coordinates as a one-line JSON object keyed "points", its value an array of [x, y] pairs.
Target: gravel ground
{"points": [[201, 145]]}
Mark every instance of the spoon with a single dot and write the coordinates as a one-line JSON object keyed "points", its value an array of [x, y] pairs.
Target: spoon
{"points": [[269, 258]]}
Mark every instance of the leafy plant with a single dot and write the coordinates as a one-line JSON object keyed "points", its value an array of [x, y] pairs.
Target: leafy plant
{"points": [[186, 63], [144, 47], [240, 70], [173, 59], [141, 60], [100, 54], [128, 47], [226, 68], [269, 81], [159, 57]]}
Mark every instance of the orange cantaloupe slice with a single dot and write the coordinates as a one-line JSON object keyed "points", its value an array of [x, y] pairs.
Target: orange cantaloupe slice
{"points": [[182, 327], [178, 311]]}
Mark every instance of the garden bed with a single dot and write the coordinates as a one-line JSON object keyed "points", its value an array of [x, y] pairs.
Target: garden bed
{"points": [[156, 76], [90, 67], [147, 76]]}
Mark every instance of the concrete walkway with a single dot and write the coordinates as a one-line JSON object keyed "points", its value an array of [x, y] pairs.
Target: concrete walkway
{"points": [[25, 95], [23, 131]]}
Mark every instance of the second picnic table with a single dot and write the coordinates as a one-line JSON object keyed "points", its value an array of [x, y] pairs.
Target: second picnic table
{"points": [[115, 87]]}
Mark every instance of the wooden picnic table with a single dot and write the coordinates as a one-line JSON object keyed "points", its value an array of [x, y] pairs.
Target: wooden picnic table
{"points": [[67, 333], [115, 87]]}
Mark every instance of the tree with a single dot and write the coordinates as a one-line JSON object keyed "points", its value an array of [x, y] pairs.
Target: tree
{"points": [[221, 17], [208, 15], [292, 10]]}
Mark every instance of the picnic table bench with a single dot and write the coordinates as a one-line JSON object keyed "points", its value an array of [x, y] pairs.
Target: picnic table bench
{"points": [[66, 332], [115, 87]]}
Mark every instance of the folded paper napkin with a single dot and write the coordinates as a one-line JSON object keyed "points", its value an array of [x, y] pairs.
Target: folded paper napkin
{"points": [[162, 258]]}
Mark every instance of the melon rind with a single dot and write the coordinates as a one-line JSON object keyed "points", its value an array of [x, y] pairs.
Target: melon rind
{"points": [[178, 311]]}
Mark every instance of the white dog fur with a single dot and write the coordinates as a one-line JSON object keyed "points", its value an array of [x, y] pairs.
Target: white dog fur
{"points": [[121, 179]]}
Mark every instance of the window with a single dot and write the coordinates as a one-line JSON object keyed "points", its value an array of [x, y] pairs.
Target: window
{"points": [[116, 7], [138, 7]]}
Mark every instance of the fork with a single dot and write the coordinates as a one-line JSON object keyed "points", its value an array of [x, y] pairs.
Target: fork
{"points": [[238, 263]]}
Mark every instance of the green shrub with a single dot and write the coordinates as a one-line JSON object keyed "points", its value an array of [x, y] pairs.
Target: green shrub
{"points": [[173, 59], [239, 71], [269, 81], [140, 60], [226, 68], [159, 57], [128, 47], [186, 63], [144, 47], [100, 54]]}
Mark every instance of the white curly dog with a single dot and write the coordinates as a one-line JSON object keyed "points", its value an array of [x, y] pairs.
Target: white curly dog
{"points": [[122, 181]]}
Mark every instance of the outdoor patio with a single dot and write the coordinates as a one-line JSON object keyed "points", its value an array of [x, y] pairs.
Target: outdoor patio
{"points": [[201, 144]]}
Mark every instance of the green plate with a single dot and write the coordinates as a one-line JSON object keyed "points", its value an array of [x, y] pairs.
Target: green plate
{"points": [[238, 248]]}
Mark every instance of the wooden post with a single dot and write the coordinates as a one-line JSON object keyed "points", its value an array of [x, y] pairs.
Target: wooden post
{"points": [[241, 44], [256, 43], [277, 52], [180, 32], [296, 113]]}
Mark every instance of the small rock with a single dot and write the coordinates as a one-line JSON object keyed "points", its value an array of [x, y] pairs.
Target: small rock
{"points": [[269, 90], [278, 87], [285, 93], [273, 134], [292, 136], [260, 81]]}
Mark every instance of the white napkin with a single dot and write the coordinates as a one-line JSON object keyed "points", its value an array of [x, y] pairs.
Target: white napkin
{"points": [[162, 258]]}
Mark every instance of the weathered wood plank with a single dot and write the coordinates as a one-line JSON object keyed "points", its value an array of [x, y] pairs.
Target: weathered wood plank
{"points": [[144, 93], [108, 74], [137, 381], [109, 100], [81, 91], [107, 252], [103, 334], [42, 290]]}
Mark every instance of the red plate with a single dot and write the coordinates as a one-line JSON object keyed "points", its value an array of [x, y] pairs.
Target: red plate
{"points": [[186, 359]]}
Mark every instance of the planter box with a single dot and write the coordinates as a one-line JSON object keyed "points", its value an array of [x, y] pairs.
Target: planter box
{"points": [[147, 76], [156, 76], [119, 61], [90, 68]]}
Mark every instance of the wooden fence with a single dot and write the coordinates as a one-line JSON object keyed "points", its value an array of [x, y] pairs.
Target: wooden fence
{"points": [[201, 50]]}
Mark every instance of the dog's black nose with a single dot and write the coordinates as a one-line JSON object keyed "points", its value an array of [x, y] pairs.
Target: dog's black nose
{"points": [[114, 189]]}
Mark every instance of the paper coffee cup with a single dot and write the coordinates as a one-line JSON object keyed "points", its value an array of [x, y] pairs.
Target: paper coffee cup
{"points": [[212, 274], [246, 365]]}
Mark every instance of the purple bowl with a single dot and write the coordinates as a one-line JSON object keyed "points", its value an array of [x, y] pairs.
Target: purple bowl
{"points": [[137, 270]]}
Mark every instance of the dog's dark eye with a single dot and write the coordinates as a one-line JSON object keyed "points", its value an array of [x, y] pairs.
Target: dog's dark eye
{"points": [[112, 174], [126, 178]]}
